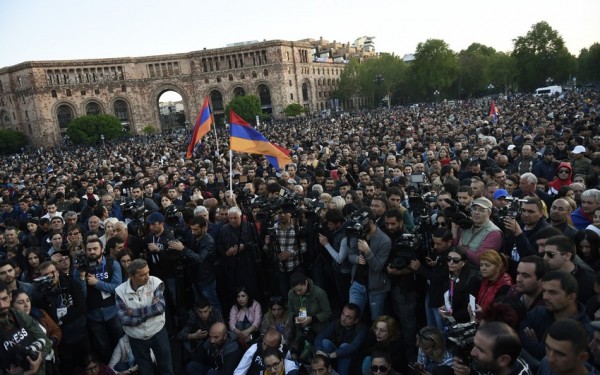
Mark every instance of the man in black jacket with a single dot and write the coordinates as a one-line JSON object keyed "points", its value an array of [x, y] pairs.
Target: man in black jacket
{"points": [[201, 258], [66, 305]]}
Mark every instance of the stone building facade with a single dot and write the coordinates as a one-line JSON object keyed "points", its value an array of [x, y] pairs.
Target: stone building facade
{"points": [[40, 98]]}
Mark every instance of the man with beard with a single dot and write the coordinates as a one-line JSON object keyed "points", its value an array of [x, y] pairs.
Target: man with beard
{"points": [[19, 331], [99, 278], [220, 354], [496, 351]]}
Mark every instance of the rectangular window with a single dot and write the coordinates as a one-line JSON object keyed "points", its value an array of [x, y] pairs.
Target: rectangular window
{"points": [[292, 96], [83, 93], [97, 91]]}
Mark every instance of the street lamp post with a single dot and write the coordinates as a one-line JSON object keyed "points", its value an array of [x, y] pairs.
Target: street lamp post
{"points": [[549, 81], [436, 94], [490, 88], [378, 80], [102, 138]]}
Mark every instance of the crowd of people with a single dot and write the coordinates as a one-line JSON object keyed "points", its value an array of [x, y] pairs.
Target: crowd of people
{"points": [[394, 240]]}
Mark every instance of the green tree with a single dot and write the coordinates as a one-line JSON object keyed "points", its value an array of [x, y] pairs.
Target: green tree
{"points": [[473, 62], [293, 109], [382, 77], [541, 54], [435, 67], [247, 107], [149, 130], [589, 63], [88, 129], [11, 141], [349, 85], [502, 71]]}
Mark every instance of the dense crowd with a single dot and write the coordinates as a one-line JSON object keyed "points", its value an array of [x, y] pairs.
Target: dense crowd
{"points": [[394, 239]]}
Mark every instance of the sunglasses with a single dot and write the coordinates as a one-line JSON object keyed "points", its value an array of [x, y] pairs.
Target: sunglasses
{"points": [[563, 171], [550, 254], [379, 368], [454, 260]]}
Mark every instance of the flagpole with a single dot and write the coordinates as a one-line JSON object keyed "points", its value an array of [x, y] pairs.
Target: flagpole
{"points": [[216, 138], [230, 170]]}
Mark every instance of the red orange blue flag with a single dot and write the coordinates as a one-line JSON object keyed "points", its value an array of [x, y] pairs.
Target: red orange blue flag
{"points": [[494, 113], [244, 138], [203, 123]]}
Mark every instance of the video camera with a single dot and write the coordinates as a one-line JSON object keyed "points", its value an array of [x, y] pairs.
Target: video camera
{"points": [[132, 209], [43, 284], [460, 338], [23, 352], [171, 217], [405, 250], [457, 214], [513, 209], [357, 226], [83, 263]]}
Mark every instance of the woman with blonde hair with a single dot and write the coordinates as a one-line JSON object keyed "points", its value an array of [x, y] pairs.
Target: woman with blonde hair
{"points": [[432, 350], [337, 202], [496, 281]]}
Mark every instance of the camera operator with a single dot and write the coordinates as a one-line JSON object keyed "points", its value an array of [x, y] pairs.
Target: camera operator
{"points": [[483, 235], [24, 344], [202, 256], [435, 270], [99, 276], [495, 351], [522, 236], [369, 256], [65, 303], [139, 200], [161, 259], [404, 296], [287, 245]]}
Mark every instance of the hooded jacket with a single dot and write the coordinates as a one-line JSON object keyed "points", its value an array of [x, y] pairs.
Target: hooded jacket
{"points": [[557, 183]]}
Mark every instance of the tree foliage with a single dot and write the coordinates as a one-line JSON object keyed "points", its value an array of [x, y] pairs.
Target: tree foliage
{"points": [[473, 73], [293, 109], [589, 64], [538, 55], [247, 107], [435, 67], [87, 130], [11, 141], [541, 54]]}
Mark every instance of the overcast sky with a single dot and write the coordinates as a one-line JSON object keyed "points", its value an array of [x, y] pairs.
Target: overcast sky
{"points": [[82, 29]]}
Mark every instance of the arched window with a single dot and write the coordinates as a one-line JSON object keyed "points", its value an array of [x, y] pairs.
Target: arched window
{"points": [[64, 115], [265, 97], [54, 94], [239, 91], [68, 92], [266, 72], [230, 77], [254, 74], [304, 91], [121, 110], [216, 98], [92, 109]]}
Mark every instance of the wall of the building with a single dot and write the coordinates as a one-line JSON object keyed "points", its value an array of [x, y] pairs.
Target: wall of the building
{"points": [[27, 103]]}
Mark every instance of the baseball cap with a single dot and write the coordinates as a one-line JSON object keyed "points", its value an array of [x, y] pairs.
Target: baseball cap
{"points": [[155, 217], [501, 193], [511, 147], [483, 202], [578, 149]]}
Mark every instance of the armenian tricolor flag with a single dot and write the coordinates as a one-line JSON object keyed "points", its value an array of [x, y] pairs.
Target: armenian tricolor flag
{"points": [[203, 123], [244, 138]]}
